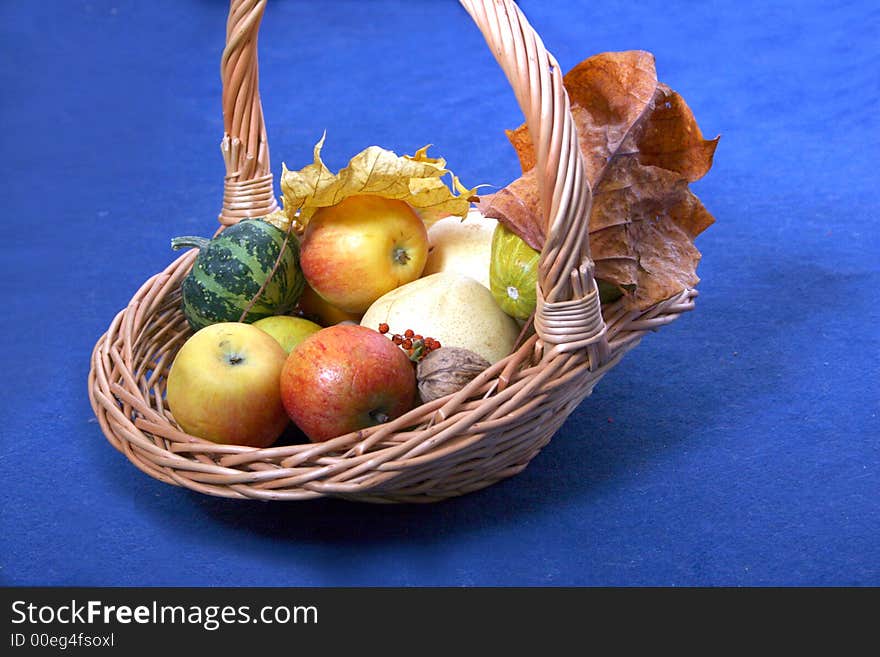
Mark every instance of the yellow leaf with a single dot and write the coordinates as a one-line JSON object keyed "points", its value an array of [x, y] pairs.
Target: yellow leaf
{"points": [[416, 179]]}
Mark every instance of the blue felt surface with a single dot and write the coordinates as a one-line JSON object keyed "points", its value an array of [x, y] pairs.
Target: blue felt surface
{"points": [[738, 446]]}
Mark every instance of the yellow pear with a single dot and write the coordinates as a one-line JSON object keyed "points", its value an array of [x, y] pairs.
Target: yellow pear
{"points": [[461, 246], [452, 308]]}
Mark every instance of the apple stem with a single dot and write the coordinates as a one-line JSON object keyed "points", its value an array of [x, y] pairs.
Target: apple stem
{"points": [[400, 256], [379, 416]]}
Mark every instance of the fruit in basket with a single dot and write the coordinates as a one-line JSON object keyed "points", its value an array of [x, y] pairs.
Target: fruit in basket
{"points": [[231, 269], [513, 274], [319, 311], [345, 378], [452, 308], [223, 385], [357, 250], [462, 246], [289, 331]]}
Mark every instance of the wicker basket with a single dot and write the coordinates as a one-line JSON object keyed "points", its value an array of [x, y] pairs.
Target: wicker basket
{"points": [[488, 431]]}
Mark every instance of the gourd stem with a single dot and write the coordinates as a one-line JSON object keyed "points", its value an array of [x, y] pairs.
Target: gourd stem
{"points": [[186, 241]]}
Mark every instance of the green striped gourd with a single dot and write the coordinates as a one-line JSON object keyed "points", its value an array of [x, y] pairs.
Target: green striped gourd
{"points": [[230, 270], [513, 273]]}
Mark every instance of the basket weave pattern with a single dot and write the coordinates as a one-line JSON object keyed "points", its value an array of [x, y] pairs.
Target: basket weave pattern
{"points": [[488, 431]]}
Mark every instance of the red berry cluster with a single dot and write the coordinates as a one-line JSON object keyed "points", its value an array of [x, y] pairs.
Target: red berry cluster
{"points": [[415, 346]]}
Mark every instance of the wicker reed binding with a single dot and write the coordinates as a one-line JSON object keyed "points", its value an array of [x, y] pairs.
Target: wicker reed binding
{"points": [[247, 189], [488, 431]]}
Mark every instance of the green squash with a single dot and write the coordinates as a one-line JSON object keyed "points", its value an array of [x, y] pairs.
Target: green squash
{"points": [[230, 270], [513, 273]]}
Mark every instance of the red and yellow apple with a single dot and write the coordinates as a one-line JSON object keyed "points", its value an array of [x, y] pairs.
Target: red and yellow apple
{"points": [[357, 250], [224, 385], [344, 378]]}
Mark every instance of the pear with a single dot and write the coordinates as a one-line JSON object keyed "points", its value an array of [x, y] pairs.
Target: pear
{"points": [[462, 246], [452, 308]]}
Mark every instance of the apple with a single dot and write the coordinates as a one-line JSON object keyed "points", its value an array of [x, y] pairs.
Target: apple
{"points": [[357, 250], [315, 308], [224, 385], [288, 330], [461, 246], [344, 378]]}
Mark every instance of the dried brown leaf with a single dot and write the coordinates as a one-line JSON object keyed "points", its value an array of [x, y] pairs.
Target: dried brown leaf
{"points": [[518, 205], [641, 147]]}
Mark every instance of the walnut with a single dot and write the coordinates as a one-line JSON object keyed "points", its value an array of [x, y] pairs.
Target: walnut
{"points": [[447, 370]]}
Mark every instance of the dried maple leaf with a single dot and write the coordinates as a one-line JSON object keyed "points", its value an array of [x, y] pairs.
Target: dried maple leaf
{"points": [[416, 179], [641, 148]]}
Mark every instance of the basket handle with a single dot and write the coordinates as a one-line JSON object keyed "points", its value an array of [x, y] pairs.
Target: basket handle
{"points": [[248, 189], [569, 312]]}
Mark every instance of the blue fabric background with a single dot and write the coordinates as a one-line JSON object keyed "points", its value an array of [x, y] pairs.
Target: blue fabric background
{"points": [[737, 446]]}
